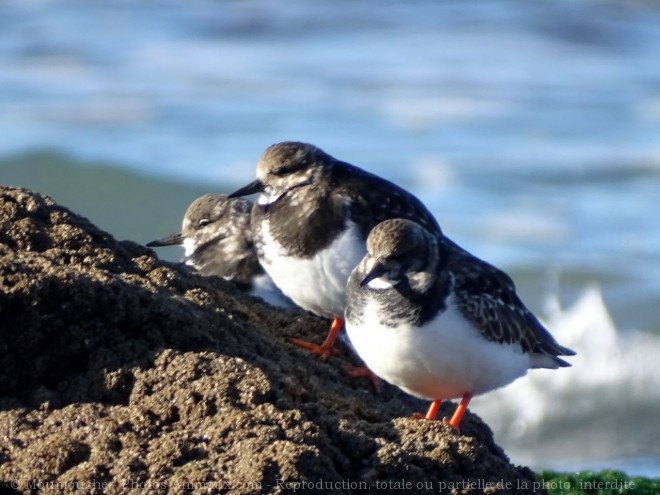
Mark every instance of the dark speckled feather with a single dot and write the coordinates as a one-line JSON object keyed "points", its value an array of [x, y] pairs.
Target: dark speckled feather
{"points": [[312, 220], [317, 193], [484, 295], [487, 297], [437, 322], [375, 199]]}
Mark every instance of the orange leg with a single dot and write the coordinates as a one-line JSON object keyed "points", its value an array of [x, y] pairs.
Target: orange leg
{"points": [[460, 411], [324, 350], [433, 410], [364, 372]]}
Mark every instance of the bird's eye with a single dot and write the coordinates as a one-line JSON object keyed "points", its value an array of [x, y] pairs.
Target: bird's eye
{"points": [[289, 169], [204, 222]]}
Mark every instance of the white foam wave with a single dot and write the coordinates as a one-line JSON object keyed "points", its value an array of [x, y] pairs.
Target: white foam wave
{"points": [[605, 407]]}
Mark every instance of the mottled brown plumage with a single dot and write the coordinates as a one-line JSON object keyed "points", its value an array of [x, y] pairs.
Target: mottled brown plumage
{"points": [[438, 322], [312, 221], [217, 236], [314, 194]]}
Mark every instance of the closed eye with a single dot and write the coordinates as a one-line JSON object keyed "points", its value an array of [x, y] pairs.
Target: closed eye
{"points": [[204, 222], [289, 169]]}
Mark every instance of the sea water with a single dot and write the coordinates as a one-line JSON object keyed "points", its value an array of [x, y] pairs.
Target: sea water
{"points": [[530, 129]]}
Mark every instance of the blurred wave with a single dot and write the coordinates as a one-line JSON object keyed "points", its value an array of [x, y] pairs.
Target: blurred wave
{"points": [[592, 413]]}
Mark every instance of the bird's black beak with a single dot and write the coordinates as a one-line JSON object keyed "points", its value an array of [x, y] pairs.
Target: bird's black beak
{"points": [[170, 240], [252, 188], [378, 270]]}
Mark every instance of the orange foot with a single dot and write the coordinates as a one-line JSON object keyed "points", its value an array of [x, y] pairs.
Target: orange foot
{"points": [[456, 428], [327, 348], [455, 420], [320, 351], [364, 372], [432, 412]]}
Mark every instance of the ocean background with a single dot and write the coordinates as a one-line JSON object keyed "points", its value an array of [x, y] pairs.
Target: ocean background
{"points": [[530, 129]]}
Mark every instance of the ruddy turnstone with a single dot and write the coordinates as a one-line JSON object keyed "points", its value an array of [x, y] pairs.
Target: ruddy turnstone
{"points": [[311, 224], [217, 239], [439, 323]]}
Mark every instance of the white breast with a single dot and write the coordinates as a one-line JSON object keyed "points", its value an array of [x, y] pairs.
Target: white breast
{"points": [[264, 288], [317, 284], [444, 359]]}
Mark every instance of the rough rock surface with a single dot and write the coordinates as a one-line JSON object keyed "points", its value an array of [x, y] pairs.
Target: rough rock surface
{"points": [[120, 373]]}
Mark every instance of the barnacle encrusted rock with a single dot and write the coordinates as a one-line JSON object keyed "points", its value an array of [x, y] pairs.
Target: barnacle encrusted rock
{"points": [[120, 373]]}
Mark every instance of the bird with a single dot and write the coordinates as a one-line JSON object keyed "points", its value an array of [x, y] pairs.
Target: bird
{"points": [[438, 322], [217, 239], [311, 222]]}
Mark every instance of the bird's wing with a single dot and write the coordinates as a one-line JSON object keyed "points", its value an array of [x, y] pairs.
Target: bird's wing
{"points": [[487, 297], [377, 199]]}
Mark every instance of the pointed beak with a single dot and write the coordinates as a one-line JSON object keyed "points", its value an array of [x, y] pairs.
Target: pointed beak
{"points": [[170, 240], [252, 188], [377, 270]]}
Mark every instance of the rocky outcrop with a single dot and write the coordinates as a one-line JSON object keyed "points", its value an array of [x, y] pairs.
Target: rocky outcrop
{"points": [[121, 373]]}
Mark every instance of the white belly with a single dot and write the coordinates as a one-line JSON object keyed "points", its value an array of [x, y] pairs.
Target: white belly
{"points": [[444, 359], [317, 284], [264, 288]]}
